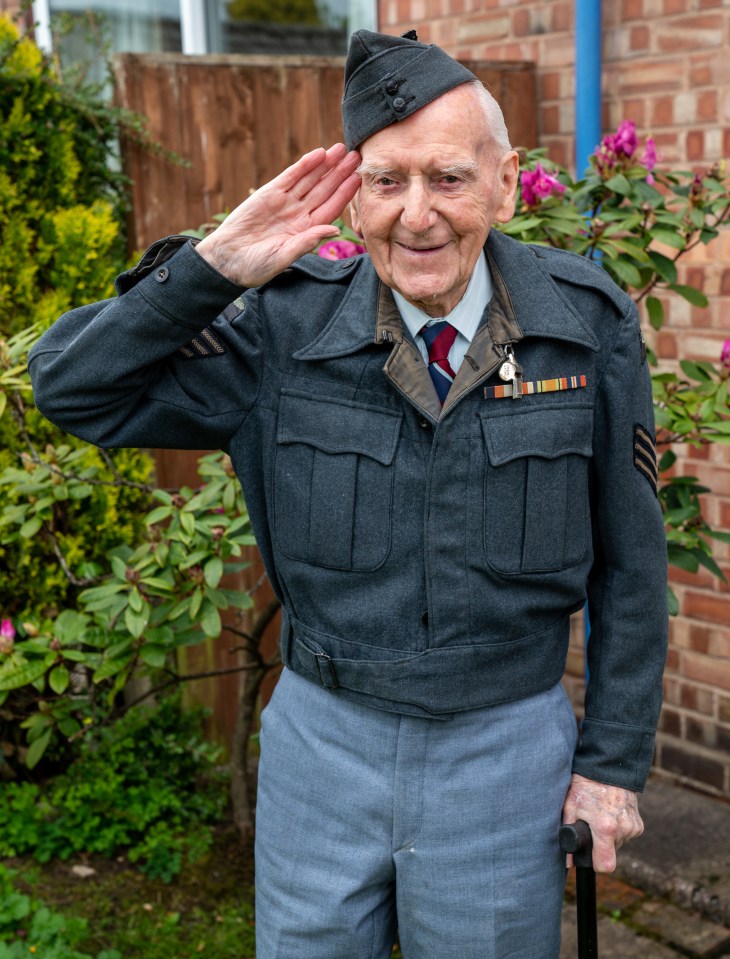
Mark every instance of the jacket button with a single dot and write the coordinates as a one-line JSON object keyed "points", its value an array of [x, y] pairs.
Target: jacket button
{"points": [[424, 618], [399, 104], [424, 424], [391, 87], [162, 274]]}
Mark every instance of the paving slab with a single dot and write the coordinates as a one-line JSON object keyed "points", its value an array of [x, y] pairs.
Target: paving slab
{"points": [[684, 854], [615, 940], [694, 936]]}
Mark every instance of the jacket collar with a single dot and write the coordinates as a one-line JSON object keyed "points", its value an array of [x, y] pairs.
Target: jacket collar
{"points": [[526, 302]]}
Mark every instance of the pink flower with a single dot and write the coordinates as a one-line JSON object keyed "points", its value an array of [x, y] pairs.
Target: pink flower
{"points": [[538, 184], [340, 249], [7, 636], [624, 139], [648, 158], [615, 146], [725, 355]]}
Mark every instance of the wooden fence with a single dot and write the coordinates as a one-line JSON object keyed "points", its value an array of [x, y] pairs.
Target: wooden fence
{"points": [[235, 122], [239, 120]]}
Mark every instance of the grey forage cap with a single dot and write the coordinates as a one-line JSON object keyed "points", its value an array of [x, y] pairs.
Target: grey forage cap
{"points": [[389, 78]]}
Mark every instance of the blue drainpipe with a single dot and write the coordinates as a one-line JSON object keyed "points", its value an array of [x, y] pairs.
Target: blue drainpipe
{"points": [[587, 81], [588, 69]]}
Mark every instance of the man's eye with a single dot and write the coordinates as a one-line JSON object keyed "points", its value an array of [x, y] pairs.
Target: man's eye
{"points": [[384, 181], [450, 178]]}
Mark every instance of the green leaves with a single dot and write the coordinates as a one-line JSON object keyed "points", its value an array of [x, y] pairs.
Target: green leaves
{"points": [[148, 602]]}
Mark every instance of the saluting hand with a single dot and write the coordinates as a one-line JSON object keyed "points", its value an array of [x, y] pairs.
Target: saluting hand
{"points": [[284, 219], [612, 813]]}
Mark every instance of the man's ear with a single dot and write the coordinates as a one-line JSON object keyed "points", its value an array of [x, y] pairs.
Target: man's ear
{"points": [[508, 174], [355, 214]]}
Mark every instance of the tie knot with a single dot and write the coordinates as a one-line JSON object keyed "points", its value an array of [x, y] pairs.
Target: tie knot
{"points": [[439, 338]]}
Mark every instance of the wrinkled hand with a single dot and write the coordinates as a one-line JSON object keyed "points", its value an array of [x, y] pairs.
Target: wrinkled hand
{"points": [[612, 813], [284, 219]]}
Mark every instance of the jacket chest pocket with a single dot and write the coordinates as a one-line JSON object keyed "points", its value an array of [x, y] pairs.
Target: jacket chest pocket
{"points": [[333, 481], [536, 504]]}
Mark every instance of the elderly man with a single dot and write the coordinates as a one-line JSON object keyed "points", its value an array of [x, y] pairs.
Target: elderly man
{"points": [[446, 446]]}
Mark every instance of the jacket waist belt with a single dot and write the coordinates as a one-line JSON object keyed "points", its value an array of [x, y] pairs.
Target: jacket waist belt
{"points": [[434, 683]]}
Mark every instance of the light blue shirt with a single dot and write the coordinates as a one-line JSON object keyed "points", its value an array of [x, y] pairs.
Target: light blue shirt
{"points": [[464, 317]]}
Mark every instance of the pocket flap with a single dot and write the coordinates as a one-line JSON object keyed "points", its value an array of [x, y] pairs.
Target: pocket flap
{"points": [[548, 433], [339, 426]]}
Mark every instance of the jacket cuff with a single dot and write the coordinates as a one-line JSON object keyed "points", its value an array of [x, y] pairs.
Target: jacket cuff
{"points": [[615, 754], [178, 283]]}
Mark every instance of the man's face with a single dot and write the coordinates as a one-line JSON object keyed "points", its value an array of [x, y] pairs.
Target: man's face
{"points": [[432, 185]]}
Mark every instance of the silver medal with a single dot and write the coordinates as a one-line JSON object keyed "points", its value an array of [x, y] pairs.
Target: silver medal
{"points": [[507, 371]]}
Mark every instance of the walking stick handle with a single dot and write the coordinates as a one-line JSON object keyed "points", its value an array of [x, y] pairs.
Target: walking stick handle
{"points": [[576, 838]]}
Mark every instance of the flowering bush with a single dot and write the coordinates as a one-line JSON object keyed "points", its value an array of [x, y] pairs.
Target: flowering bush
{"points": [[637, 221]]}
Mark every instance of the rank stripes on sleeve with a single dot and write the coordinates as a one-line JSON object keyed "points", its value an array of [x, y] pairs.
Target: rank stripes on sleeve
{"points": [[645, 456]]}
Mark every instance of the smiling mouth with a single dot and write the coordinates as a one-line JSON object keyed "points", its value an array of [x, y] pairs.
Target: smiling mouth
{"points": [[422, 249]]}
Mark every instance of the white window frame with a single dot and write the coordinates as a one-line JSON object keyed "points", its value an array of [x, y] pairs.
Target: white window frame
{"points": [[193, 23]]}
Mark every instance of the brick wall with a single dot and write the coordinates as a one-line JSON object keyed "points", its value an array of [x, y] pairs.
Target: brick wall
{"points": [[667, 67]]}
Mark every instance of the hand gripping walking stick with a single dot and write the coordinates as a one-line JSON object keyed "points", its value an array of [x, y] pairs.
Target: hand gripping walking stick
{"points": [[576, 838]]}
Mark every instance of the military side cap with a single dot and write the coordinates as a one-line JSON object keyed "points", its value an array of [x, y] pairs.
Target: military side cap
{"points": [[389, 78]]}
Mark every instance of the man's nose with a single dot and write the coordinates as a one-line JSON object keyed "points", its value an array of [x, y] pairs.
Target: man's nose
{"points": [[418, 214]]}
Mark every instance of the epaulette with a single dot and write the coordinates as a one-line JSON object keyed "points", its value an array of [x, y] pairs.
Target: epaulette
{"points": [[321, 268], [580, 271]]}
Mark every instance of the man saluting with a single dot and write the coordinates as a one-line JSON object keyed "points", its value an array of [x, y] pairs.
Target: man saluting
{"points": [[446, 447]]}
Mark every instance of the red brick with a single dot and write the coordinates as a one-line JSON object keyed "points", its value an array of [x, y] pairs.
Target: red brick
{"points": [[673, 660], [632, 9], [726, 142], [707, 108], [697, 699], [685, 761], [707, 734], [521, 23], [695, 276], [725, 515], [674, 6], [550, 119], [701, 578], [700, 639], [700, 74], [708, 4], [723, 709], [670, 723], [562, 17], [635, 110], [689, 33], [559, 151], [639, 38], [549, 84], [695, 145], [666, 345], [710, 670]]}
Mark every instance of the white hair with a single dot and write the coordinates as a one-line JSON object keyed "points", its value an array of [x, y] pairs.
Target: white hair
{"points": [[494, 116]]}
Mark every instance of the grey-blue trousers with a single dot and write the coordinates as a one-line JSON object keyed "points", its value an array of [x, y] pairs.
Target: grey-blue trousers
{"points": [[370, 822]]}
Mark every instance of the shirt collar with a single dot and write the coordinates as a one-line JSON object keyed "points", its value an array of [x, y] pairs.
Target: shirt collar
{"points": [[466, 314]]}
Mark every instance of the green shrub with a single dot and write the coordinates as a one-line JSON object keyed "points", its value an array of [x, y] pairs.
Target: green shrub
{"points": [[146, 786], [62, 241], [28, 927]]}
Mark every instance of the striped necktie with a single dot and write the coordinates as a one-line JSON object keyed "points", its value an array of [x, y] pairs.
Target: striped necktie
{"points": [[439, 338]]}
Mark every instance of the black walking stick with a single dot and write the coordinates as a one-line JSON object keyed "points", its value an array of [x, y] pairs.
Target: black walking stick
{"points": [[576, 838]]}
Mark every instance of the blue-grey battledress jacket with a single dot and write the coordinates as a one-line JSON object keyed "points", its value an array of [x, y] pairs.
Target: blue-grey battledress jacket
{"points": [[427, 560]]}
